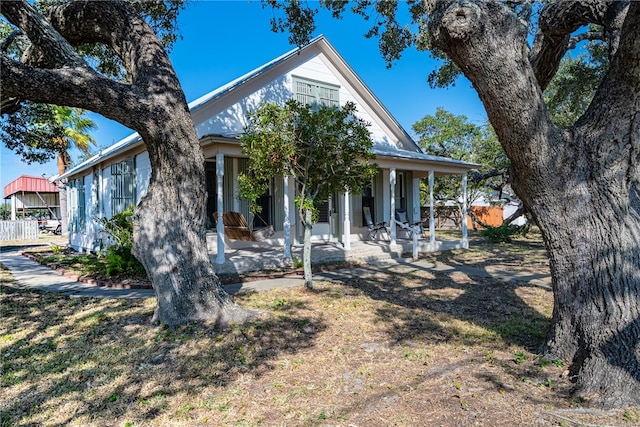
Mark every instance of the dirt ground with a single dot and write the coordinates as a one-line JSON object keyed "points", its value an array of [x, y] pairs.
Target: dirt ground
{"points": [[402, 347]]}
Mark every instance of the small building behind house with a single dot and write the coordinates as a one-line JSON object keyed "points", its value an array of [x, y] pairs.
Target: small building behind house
{"points": [[33, 197]]}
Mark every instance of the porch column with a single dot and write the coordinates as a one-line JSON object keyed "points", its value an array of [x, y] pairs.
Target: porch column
{"points": [[14, 206], [432, 214], [416, 200], [416, 216], [220, 209], [346, 238], [392, 220], [287, 222], [465, 239]]}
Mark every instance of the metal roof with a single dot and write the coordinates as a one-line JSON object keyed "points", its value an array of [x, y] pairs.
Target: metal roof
{"points": [[382, 150], [29, 184]]}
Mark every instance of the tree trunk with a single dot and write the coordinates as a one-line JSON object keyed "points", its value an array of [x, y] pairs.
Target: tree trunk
{"points": [[169, 233], [580, 184], [306, 249], [62, 192], [596, 318]]}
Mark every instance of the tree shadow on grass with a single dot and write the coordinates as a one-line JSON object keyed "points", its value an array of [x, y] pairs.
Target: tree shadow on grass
{"points": [[422, 303], [91, 359], [518, 252]]}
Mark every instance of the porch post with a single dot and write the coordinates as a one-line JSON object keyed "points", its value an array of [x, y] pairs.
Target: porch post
{"points": [[416, 200], [14, 206], [465, 239], [220, 209], [416, 216], [346, 238], [287, 222], [432, 214], [392, 220]]}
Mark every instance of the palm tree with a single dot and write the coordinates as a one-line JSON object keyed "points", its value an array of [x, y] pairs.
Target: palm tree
{"points": [[73, 127]]}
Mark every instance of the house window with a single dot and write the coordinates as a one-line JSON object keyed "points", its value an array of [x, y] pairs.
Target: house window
{"points": [[314, 93], [77, 216], [123, 186]]}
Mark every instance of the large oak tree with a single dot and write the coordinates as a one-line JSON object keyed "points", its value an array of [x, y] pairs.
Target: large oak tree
{"points": [[581, 183], [169, 232]]}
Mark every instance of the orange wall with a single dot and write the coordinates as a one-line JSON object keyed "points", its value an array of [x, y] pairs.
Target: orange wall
{"points": [[490, 215]]}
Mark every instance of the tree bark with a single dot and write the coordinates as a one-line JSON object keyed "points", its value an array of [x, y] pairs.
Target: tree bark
{"points": [[580, 184], [306, 249], [169, 233]]}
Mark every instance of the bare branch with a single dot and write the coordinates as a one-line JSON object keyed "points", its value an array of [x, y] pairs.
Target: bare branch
{"points": [[117, 25], [9, 40], [477, 176], [589, 35]]}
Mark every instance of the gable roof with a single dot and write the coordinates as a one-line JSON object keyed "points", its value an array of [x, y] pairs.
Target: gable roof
{"points": [[230, 90]]}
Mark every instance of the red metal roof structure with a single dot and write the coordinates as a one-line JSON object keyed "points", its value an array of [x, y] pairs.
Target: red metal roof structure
{"points": [[29, 184]]}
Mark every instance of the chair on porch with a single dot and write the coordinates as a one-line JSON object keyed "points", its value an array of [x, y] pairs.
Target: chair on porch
{"points": [[374, 229], [402, 222], [236, 226]]}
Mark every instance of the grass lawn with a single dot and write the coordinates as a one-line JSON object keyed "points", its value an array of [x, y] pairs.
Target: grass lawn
{"points": [[415, 347]]}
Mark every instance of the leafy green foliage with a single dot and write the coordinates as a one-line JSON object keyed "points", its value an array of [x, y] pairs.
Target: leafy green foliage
{"points": [[572, 88], [39, 132], [394, 36], [448, 135], [32, 133], [324, 151], [5, 211], [119, 259], [505, 232]]}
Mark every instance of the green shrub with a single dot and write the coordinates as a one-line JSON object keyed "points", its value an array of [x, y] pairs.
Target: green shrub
{"points": [[119, 259], [505, 232]]}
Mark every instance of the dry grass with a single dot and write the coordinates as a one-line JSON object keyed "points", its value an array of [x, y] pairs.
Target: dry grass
{"points": [[406, 347]]}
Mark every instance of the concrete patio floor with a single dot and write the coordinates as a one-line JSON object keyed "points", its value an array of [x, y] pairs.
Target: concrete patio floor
{"points": [[242, 257]]}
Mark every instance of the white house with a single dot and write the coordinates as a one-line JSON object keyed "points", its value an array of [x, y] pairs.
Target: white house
{"points": [[117, 177]]}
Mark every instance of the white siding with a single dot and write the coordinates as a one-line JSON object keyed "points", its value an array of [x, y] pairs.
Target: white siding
{"points": [[106, 192], [84, 238], [143, 175], [232, 120], [316, 69]]}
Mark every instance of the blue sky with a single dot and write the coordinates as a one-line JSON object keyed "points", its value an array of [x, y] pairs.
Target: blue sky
{"points": [[223, 40]]}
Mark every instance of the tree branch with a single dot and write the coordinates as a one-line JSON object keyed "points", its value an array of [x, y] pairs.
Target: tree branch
{"points": [[67, 86], [10, 38], [589, 35], [41, 34], [477, 176], [113, 23], [558, 20]]}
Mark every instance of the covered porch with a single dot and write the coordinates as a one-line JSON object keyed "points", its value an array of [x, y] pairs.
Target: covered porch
{"points": [[344, 236], [241, 257]]}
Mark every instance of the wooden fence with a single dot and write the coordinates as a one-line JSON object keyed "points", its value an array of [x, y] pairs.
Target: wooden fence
{"points": [[18, 230]]}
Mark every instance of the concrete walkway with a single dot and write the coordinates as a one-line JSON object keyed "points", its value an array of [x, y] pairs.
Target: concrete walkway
{"points": [[30, 274]]}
